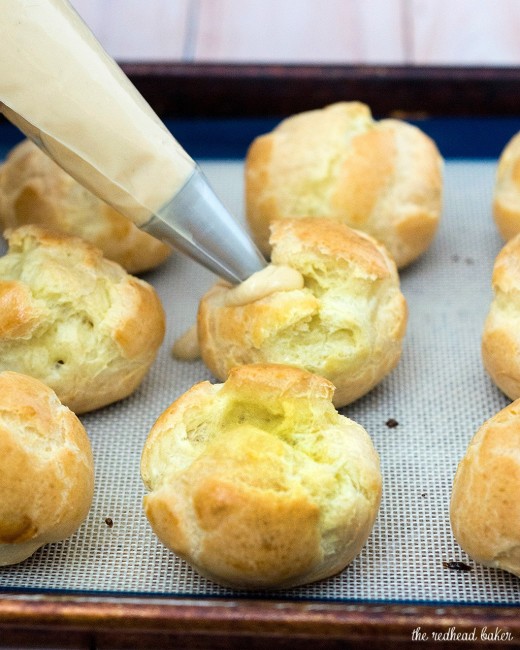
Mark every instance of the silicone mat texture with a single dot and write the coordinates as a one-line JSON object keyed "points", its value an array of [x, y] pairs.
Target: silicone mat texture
{"points": [[438, 395]]}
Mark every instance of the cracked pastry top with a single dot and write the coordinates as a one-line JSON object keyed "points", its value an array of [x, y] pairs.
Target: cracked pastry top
{"points": [[259, 482], [344, 320], [74, 320]]}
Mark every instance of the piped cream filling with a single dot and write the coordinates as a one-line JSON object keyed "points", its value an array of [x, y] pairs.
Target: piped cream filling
{"points": [[261, 284]]}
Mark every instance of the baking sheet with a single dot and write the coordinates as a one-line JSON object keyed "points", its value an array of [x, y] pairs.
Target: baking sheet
{"points": [[439, 395]]}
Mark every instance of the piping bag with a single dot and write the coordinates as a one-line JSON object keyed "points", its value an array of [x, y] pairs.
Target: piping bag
{"points": [[60, 88]]}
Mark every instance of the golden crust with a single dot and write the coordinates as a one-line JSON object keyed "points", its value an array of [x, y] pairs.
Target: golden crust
{"points": [[485, 509], [331, 240], [346, 324], [259, 482], [35, 190], [506, 195], [46, 468], [280, 381], [19, 315], [384, 178], [74, 320], [501, 333]]}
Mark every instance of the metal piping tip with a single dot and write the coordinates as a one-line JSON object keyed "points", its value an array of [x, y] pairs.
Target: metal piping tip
{"points": [[196, 223]]}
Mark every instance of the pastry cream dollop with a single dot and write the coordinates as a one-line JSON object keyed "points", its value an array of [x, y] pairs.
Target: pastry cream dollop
{"points": [[275, 277]]}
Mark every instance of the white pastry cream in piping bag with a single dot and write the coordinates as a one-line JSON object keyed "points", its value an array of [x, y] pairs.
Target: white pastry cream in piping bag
{"points": [[61, 89]]}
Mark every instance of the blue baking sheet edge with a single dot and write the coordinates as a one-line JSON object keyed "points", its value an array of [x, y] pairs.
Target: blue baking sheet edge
{"points": [[456, 137]]}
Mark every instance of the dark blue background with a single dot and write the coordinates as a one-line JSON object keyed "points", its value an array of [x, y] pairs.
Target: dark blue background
{"points": [[459, 137]]}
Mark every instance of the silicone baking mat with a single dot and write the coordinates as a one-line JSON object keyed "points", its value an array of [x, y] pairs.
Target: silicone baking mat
{"points": [[437, 397]]}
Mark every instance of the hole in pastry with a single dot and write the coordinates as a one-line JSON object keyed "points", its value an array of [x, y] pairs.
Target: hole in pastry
{"points": [[348, 333]]}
